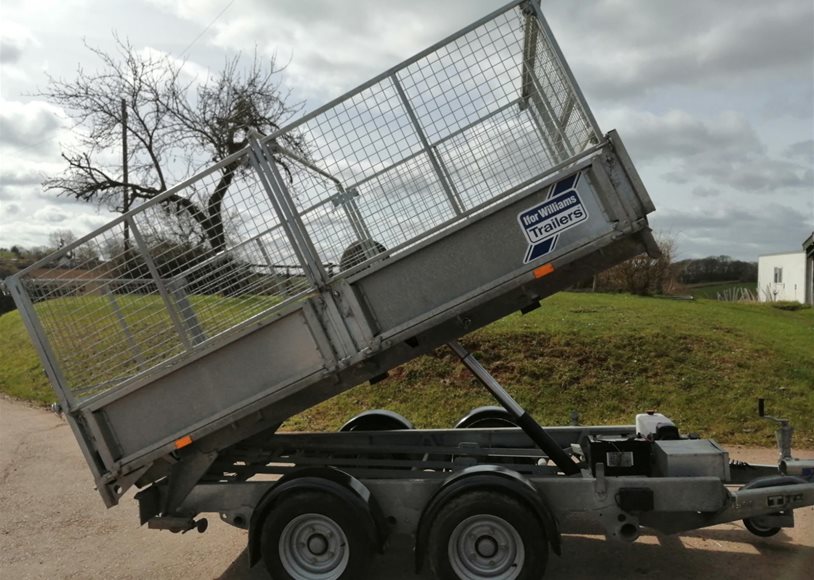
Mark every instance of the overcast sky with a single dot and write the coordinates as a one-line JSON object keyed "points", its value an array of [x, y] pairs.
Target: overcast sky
{"points": [[714, 99]]}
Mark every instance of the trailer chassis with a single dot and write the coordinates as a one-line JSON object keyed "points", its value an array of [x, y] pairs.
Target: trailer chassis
{"points": [[399, 481]]}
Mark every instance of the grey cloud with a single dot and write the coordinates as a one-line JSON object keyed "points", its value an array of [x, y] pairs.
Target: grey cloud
{"points": [[12, 209], [51, 214], [735, 231], [802, 151], [619, 49], [649, 45], [31, 126], [10, 52], [724, 151], [705, 192], [54, 198], [753, 173], [14, 40], [366, 16], [797, 103], [17, 177], [680, 134], [336, 45], [678, 177], [32, 194]]}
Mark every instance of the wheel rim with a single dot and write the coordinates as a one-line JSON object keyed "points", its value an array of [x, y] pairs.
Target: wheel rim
{"points": [[486, 547], [756, 526], [314, 547]]}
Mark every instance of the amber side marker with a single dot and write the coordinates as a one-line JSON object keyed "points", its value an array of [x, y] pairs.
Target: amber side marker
{"points": [[183, 442], [543, 270]]}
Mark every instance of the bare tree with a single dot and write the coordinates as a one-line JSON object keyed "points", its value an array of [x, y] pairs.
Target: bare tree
{"points": [[642, 274], [174, 126], [60, 238]]}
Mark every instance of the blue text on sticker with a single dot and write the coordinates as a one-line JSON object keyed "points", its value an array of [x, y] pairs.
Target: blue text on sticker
{"points": [[542, 224]]}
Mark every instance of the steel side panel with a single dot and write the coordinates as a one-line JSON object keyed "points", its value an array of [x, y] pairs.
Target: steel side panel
{"points": [[471, 259], [670, 494], [276, 354], [281, 397]]}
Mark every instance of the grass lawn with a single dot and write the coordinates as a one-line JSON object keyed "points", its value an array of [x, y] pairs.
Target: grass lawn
{"points": [[703, 363], [103, 339]]}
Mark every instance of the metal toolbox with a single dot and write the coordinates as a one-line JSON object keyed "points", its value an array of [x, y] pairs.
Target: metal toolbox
{"points": [[691, 458]]}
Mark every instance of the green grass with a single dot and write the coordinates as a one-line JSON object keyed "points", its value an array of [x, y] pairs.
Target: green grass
{"points": [[94, 336], [703, 363], [21, 374]]}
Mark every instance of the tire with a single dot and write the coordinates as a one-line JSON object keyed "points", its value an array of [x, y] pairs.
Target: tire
{"points": [[759, 530], [377, 420], [486, 418], [487, 535], [314, 535], [775, 481]]}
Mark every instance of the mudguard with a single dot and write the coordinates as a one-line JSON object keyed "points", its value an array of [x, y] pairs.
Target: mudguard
{"points": [[486, 477]]}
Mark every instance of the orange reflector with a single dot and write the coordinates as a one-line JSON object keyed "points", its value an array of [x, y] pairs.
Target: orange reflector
{"points": [[544, 270], [183, 442]]}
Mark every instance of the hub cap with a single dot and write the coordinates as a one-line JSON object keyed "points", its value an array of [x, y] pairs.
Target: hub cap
{"points": [[314, 547], [486, 547]]}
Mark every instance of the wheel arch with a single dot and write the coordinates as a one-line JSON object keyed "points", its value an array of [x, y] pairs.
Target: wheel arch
{"points": [[486, 477], [498, 416], [378, 419], [325, 479]]}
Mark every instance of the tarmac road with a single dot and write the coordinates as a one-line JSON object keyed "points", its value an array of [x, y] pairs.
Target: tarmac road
{"points": [[54, 525]]}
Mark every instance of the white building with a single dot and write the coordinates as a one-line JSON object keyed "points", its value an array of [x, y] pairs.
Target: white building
{"points": [[788, 276]]}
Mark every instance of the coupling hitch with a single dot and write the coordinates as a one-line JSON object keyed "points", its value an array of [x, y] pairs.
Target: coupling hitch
{"points": [[787, 463]]}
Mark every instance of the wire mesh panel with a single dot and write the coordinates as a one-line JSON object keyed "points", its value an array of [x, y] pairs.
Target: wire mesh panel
{"points": [[450, 131], [425, 145], [197, 262]]}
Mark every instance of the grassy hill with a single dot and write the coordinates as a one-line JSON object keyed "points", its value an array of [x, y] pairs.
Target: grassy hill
{"points": [[703, 363]]}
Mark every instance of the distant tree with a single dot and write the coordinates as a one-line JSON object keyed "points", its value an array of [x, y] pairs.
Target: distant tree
{"points": [[717, 269], [643, 274], [18, 258], [174, 127], [82, 256], [60, 238]]}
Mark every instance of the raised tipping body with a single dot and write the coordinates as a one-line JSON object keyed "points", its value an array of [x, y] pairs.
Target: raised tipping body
{"points": [[466, 183]]}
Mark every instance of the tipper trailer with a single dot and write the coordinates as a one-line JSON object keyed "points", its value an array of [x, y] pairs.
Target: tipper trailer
{"points": [[467, 183]]}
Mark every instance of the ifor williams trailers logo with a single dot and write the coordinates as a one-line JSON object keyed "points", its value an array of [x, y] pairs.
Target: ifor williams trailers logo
{"points": [[543, 223]]}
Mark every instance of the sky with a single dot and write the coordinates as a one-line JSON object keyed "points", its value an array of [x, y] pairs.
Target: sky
{"points": [[714, 100]]}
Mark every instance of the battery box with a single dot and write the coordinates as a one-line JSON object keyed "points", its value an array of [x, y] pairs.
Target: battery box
{"points": [[621, 456]]}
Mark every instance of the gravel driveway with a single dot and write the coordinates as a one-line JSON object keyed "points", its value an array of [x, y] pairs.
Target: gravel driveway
{"points": [[54, 525]]}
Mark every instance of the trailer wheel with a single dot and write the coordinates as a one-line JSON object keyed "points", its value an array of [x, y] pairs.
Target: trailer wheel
{"points": [[487, 535], [377, 420], [758, 530], [753, 524], [315, 536], [486, 418]]}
